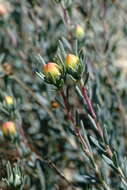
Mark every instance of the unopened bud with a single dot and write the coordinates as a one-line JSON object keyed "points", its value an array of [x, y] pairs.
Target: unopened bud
{"points": [[53, 74], [3, 9], [9, 129], [72, 61], [52, 70], [9, 101], [79, 32], [74, 66]]}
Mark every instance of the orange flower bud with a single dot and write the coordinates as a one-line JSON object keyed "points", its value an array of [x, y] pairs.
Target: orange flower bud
{"points": [[71, 61], [9, 128], [53, 74], [52, 69], [79, 32], [3, 10]]}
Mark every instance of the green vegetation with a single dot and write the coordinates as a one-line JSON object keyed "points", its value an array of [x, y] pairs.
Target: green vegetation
{"points": [[63, 95]]}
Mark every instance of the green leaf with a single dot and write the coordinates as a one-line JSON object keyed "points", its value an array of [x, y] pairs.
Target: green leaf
{"points": [[106, 138], [109, 161], [2, 56], [96, 143], [93, 122]]}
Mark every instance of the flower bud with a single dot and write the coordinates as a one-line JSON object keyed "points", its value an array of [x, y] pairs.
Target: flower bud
{"points": [[53, 74], [73, 66], [52, 69], [9, 103], [3, 10], [72, 61], [79, 32], [9, 100], [9, 129]]}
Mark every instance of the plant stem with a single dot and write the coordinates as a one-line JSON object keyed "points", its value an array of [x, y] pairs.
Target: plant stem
{"points": [[90, 107], [85, 147], [76, 128], [69, 115], [53, 166], [82, 141], [88, 101]]}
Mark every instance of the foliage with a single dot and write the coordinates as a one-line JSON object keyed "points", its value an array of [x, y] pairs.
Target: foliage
{"points": [[68, 121]]}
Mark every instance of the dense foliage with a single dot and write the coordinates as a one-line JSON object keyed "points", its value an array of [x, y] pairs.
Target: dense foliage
{"points": [[63, 94]]}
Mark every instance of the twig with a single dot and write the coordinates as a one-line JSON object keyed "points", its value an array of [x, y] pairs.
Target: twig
{"points": [[52, 165], [88, 101], [69, 115]]}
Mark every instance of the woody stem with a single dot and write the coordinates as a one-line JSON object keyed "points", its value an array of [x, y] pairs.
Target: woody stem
{"points": [[69, 115]]}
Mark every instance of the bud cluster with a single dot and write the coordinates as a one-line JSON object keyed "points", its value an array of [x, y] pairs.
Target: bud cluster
{"points": [[55, 73]]}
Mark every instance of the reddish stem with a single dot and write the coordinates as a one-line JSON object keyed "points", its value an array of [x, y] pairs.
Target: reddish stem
{"points": [[83, 142], [90, 107], [88, 101], [69, 115], [77, 130]]}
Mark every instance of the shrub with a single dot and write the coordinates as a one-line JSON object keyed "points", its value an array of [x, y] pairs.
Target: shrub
{"points": [[63, 94]]}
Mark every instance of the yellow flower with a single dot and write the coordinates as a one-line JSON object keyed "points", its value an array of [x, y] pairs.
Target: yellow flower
{"points": [[79, 32], [52, 70], [71, 61], [9, 128], [9, 100]]}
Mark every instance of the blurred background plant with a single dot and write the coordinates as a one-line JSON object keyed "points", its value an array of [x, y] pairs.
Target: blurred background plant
{"points": [[65, 128]]}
